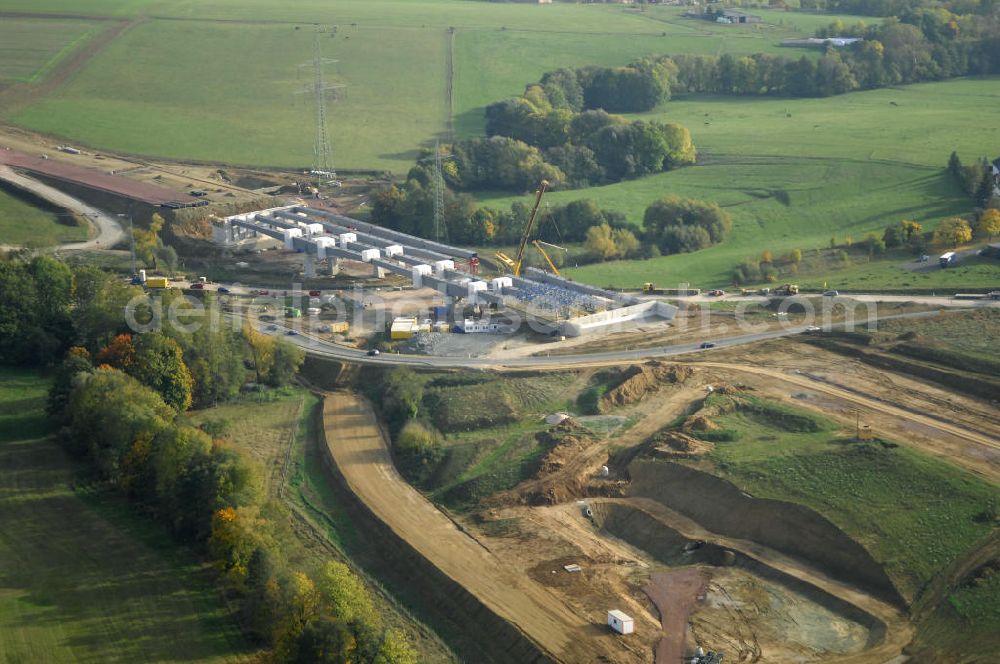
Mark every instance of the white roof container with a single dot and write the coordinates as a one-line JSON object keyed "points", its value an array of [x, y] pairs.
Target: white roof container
{"points": [[393, 250], [321, 244], [620, 622], [441, 266], [369, 255], [347, 237], [500, 283], [290, 233]]}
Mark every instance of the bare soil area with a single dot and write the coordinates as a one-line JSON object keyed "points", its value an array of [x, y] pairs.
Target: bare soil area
{"points": [[358, 448]]}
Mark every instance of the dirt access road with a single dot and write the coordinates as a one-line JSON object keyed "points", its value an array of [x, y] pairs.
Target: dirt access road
{"points": [[108, 231], [359, 449]]}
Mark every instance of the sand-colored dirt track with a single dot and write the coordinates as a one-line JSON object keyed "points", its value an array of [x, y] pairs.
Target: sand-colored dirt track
{"points": [[358, 447]]}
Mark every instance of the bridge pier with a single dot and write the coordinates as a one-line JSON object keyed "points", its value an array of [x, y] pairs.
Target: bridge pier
{"points": [[309, 266], [334, 266]]}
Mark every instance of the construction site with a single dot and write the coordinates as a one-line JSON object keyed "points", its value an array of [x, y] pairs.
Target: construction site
{"points": [[546, 302]]}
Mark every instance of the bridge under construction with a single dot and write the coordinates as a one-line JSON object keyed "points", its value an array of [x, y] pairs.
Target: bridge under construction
{"points": [[553, 304]]}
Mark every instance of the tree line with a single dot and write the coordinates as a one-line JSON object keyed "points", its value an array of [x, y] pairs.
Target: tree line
{"points": [[915, 44], [120, 399], [670, 225]]}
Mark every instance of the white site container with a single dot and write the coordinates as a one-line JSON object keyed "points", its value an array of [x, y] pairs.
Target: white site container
{"points": [[392, 250], [369, 255], [620, 622], [441, 266], [290, 233], [347, 237]]}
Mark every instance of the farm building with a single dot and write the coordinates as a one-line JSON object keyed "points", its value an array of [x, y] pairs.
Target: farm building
{"points": [[620, 622], [816, 42], [733, 16]]}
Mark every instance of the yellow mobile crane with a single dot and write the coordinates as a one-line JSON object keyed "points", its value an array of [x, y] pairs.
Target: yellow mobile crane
{"points": [[538, 245], [514, 264]]}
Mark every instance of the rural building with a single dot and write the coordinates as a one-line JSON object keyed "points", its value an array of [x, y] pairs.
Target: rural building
{"points": [[620, 622], [816, 42], [733, 16]]}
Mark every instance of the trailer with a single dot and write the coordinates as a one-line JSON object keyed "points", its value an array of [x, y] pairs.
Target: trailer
{"points": [[621, 623], [947, 259]]}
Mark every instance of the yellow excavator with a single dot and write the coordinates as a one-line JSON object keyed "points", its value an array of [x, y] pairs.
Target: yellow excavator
{"points": [[514, 264]]}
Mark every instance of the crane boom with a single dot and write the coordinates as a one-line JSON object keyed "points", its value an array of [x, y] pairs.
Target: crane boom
{"points": [[527, 228], [552, 266]]}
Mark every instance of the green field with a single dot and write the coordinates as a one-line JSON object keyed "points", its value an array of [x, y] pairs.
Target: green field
{"points": [[32, 47], [82, 579], [845, 168], [224, 81], [21, 223], [914, 513], [180, 89]]}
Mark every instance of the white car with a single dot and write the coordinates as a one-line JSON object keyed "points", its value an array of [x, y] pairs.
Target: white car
{"points": [[813, 328]]}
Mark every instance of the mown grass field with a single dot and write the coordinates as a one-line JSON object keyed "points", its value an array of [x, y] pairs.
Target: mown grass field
{"points": [[83, 579], [180, 89], [848, 165], [223, 81], [21, 222], [914, 513], [31, 47]]}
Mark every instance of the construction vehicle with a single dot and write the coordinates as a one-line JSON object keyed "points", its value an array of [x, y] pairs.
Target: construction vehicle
{"points": [[649, 287], [514, 264], [787, 289], [157, 282]]}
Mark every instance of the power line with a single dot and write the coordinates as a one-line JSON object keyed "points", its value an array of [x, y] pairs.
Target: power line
{"points": [[322, 152]]}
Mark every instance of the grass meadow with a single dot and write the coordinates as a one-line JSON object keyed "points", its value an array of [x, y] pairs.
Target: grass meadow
{"points": [[184, 85], [23, 223], [225, 80], [796, 173], [859, 487], [32, 47], [82, 578]]}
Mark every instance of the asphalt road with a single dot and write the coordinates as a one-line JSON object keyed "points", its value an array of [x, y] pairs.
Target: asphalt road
{"points": [[318, 347]]}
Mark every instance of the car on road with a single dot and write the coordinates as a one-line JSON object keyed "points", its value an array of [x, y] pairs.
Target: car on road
{"points": [[224, 290], [374, 352], [716, 293], [315, 293], [291, 333], [814, 328], [707, 344], [272, 328], [197, 286], [831, 293]]}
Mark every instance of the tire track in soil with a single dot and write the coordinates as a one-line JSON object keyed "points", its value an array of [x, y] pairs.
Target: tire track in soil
{"points": [[357, 446], [18, 97]]}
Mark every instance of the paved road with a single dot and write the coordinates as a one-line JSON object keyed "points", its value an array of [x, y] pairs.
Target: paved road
{"points": [[109, 232], [318, 347]]}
